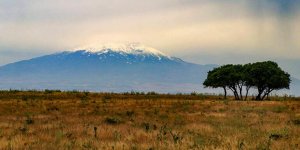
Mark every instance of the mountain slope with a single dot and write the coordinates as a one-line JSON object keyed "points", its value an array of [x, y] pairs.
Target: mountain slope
{"points": [[132, 67]]}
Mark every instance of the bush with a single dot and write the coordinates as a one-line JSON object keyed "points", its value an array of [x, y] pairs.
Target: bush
{"points": [[113, 120], [152, 93], [280, 109], [296, 122], [29, 120], [130, 113], [146, 126], [279, 134]]}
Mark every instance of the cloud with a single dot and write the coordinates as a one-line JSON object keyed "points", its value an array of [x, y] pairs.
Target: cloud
{"points": [[179, 27]]}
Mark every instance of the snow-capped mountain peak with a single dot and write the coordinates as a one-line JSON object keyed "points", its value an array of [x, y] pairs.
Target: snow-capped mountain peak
{"points": [[127, 48]]}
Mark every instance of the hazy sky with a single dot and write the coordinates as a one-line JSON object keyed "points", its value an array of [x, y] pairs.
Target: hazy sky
{"points": [[200, 31]]}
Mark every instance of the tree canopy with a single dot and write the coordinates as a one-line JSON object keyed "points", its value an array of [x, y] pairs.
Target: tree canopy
{"points": [[264, 76]]}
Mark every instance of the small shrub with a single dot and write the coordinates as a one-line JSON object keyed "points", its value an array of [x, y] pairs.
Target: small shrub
{"points": [[134, 147], [279, 109], [134, 93], [58, 136], [74, 91], [113, 120], [150, 148], [154, 126], [226, 102], [198, 140], [164, 116], [264, 145], [177, 137], [146, 126], [240, 145], [162, 135], [24, 98], [152, 93], [95, 132], [29, 120], [202, 96], [130, 113], [156, 111], [52, 108], [87, 145], [117, 136], [275, 136], [278, 134], [84, 99], [179, 120], [96, 111], [48, 91], [106, 98], [23, 129], [193, 94], [296, 122], [247, 109], [221, 110]]}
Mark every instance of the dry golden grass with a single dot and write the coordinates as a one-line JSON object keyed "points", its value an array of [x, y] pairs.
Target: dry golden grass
{"points": [[37, 120]]}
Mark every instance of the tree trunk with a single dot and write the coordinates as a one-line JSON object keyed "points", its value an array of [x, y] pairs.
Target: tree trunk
{"points": [[234, 92], [247, 91], [236, 95], [263, 97], [225, 92], [258, 97], [267, 93], [241, 92]]}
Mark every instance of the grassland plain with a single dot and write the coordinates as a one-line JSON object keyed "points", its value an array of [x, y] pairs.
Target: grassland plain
{"points": [[82, 120]]}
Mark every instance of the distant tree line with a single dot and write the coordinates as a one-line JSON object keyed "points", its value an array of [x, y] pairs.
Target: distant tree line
{"points": [[265, 77]]}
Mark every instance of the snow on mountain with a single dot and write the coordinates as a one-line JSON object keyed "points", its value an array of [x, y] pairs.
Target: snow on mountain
{"points": [[129, 53], [127, 48]]}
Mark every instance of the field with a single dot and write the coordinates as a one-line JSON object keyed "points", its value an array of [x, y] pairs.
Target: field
{"points": [[82, 120]]}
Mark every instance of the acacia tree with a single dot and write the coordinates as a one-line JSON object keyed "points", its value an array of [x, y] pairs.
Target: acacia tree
{"points": [[266, 77], [236, 80], [216, 79], [227, 76]]}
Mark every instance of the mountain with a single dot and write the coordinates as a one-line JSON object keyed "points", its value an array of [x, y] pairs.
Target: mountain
{"points": [[294, 87], [110, 68]]}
